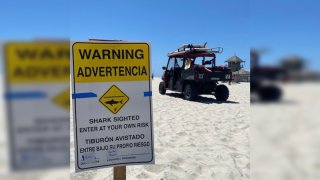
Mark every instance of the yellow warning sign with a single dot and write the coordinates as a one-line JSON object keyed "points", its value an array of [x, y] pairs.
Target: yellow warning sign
{"points": [[37, 62], [110, 62], [62, 99], [114, 99]]}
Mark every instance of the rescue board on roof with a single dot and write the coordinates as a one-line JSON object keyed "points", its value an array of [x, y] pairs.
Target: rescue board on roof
{"points": [[112, 104]]}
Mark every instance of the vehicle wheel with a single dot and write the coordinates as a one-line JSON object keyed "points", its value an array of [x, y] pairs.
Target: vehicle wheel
{"points": [[270, 93], [222, 92], [190, 92], [162, 90]]}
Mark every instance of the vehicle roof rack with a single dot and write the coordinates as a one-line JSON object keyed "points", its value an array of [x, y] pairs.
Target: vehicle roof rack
{"points": [[196, 49]]}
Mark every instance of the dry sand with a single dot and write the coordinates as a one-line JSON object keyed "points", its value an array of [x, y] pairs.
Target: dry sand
{"points": [[285, 136], [205, 139], [210, 140]]}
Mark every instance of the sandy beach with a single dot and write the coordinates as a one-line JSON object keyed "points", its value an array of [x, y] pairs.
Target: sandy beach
{"points": [[207, 139], [82, 92], [284, 137], [204, 139]]}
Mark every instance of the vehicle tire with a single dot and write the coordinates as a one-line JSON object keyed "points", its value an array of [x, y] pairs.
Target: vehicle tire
{"points": [[190, 92], [162, 90], [270, 93], [221, 92]]}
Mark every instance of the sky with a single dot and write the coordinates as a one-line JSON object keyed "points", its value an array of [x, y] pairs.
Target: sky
{"points": [[286, 27], [166, 25], [283, 27]]}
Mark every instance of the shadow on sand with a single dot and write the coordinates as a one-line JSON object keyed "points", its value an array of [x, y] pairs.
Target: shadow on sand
{"points": [[202, 99], [275, 102]]}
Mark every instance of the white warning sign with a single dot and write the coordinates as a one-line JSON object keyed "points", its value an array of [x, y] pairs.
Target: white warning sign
{"points": [[112, 104], [37, 94]]}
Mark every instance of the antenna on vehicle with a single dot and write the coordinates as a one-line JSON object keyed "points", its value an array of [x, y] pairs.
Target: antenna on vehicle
{"points": [[205, 44]]}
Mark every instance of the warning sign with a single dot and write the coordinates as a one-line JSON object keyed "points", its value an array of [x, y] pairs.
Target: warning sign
{"points": [[62, 99], [121, 62], [112, 104], [114, 99], [37, 93]]}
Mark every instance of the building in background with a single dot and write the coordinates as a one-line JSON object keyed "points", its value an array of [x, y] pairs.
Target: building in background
{"points": [[236, 66], [296, 69]]}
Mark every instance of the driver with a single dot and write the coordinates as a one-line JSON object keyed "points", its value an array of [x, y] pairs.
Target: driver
{"points": [[188, 63]]}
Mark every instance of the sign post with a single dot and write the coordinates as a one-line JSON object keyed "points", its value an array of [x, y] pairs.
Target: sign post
{"points": [[112, 105], [119, 173]]}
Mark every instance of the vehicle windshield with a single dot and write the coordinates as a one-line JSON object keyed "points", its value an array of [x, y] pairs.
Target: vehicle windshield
{"points": [[206, 61]]}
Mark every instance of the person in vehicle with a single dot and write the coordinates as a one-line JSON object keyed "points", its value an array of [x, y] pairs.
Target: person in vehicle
{"points": [[190, 64]]}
